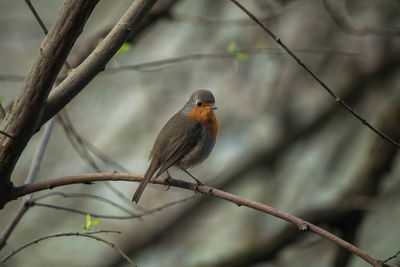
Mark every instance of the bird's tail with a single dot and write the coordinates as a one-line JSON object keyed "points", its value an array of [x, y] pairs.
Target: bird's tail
{"points": [[154, 165]]}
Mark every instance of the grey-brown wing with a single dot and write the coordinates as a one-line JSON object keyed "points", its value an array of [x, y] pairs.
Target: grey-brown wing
{"points": [[179, 135]]}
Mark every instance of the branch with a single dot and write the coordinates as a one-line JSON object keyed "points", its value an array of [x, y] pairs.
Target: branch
{"points": [[158, 64], [219, 55], [37, 159], [22, 118], [266, 157], [12, 224], [83, 147], [160, 10], [37, 17], [94, 215], [23, 208], [88, 235], [324, 86], [272, 13], [87, 196], [105, 216], [78, 78], [75, 140], [393, 257], [44, 28], [262, 250], [203, 189]]}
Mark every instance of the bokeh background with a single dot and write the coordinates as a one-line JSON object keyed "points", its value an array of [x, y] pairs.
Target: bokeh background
{"points": [[283, 140]]}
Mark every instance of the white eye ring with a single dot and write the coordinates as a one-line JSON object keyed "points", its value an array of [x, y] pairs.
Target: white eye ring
{"points": [[198, 103]]}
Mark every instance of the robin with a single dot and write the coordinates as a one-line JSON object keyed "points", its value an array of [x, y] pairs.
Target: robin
{"points": [[185, 140]]}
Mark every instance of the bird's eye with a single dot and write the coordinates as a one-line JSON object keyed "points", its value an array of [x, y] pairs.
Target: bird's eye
{"points": [[198, 103]]}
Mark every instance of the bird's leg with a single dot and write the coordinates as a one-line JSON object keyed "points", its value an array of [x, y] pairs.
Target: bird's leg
{"points": [[197, 180], [166, 180]]}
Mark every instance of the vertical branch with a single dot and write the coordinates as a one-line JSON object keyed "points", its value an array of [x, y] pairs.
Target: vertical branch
{"points": [[31, 177], [34, 169], [22, 119]]}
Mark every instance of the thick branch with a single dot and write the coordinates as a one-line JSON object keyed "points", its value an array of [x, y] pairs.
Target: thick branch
{"points": [[22, 118], [78, 78], [206, 190]]}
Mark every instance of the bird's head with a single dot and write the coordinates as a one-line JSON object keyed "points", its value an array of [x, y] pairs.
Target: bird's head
{"points": [[200, 102]]}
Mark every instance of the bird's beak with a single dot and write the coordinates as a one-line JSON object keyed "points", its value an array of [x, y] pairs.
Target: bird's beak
{"points": [[213, 107]]}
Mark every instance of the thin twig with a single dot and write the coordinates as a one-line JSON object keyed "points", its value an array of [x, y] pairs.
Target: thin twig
{"points": [[37, 17], [89, 196], [79, 77], [273, 13], [75, 140], [105, 216], [160, 64], [324, 86], [203, 189], [86, 145], [34, 169], [220, 55], [393, 257], [22, 209], [44, 28], [37, 159], [82, 146], [94, 215], [88, 235], [103, 157]]}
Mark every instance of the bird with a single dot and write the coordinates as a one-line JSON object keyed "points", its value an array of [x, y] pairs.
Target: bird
{"points": [[186, 140]]}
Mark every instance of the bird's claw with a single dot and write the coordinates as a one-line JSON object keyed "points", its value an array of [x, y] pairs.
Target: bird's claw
{"points": [[166, 182], [196, 188]]}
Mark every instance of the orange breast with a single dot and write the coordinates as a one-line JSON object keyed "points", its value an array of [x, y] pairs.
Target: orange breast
{"points": [[208, 118]]}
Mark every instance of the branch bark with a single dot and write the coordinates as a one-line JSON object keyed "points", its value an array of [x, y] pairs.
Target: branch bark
{"points": [[22, 118], [203, 189], [78, 78]]}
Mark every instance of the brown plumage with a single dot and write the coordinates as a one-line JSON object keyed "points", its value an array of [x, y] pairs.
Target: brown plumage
{"points": [[185, 140]]}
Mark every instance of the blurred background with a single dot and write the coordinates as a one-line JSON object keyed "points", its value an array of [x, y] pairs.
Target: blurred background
{"points": [[283, 140]]}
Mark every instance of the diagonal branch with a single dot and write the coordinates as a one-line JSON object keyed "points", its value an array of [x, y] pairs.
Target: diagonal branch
{"points": [[203, 189], [324, 86], [37, 17], [78, 78], [22, 118]]}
